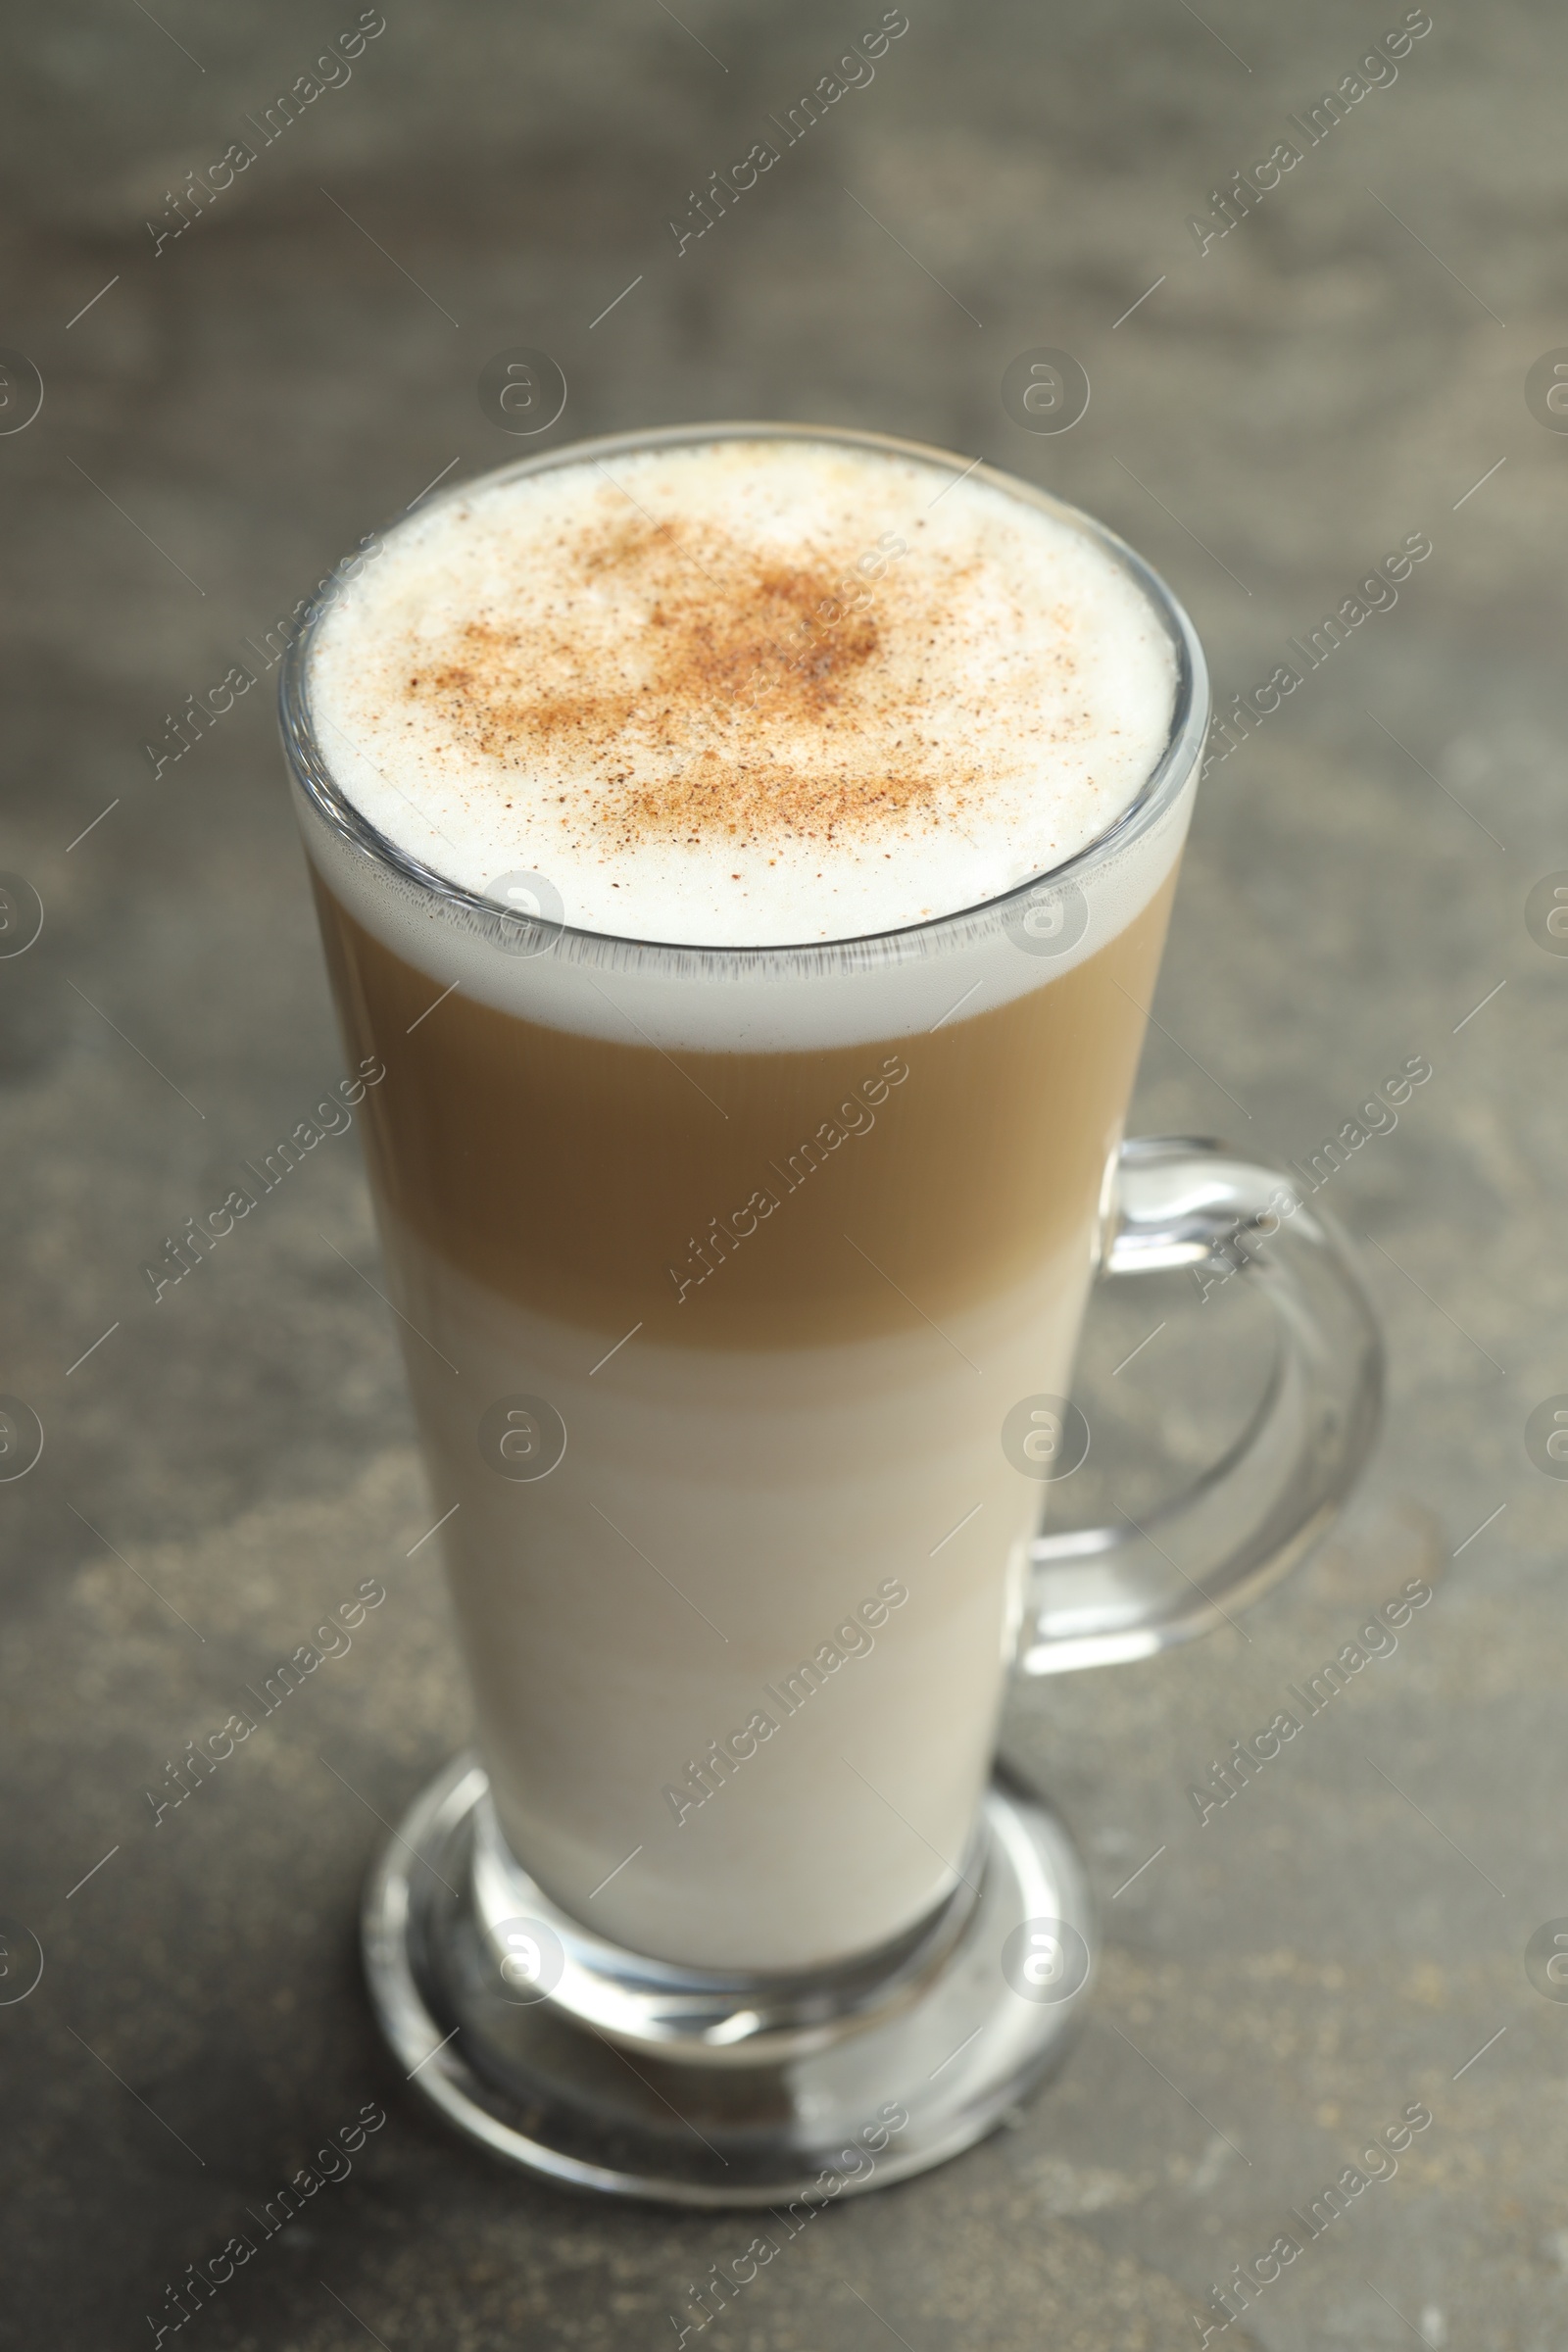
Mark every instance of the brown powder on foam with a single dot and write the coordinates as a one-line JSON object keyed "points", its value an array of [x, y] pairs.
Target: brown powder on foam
{"points": [[739, 699]]}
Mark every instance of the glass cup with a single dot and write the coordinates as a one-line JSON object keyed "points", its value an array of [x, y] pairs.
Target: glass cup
{"points": [[739, 1290]]}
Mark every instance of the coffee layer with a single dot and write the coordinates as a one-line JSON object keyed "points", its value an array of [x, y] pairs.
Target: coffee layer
{"points": [[747, 1200]]}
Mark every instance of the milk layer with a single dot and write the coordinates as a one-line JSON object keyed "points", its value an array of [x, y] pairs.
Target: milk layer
{"points": [[716, 1520]]}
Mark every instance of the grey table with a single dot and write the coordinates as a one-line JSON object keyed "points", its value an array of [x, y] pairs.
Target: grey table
{"points": [[1274, 408]]}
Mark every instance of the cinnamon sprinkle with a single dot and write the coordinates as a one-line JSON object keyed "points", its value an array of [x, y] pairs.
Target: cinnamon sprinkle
{"points": [[743, 697]]}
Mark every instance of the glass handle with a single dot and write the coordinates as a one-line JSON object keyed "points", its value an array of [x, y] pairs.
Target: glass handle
{"points": [[1102, 1595]]}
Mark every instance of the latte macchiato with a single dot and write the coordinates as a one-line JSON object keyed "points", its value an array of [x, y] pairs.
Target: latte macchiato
{"points": [[733, 1204]]}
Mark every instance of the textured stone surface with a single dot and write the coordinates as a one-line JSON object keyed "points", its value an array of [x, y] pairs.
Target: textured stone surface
{"points": [[1283, 408]]}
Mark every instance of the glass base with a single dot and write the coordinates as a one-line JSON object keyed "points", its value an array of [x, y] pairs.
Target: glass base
{"points": [[596, 2067]]}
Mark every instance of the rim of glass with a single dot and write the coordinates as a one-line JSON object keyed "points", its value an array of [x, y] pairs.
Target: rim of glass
{"points": [[1162, 788]]}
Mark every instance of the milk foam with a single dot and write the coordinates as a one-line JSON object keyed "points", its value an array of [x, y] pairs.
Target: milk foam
{"points": [[742, 691]]}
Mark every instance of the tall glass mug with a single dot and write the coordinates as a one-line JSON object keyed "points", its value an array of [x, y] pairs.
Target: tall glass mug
{"points": [[742, 1368]]}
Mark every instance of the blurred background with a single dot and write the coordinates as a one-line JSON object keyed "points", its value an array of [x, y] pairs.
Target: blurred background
{"points": [[224, 411]]}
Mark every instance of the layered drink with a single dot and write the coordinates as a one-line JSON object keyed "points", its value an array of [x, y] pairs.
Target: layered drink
{"points": [[741, 1159]]}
